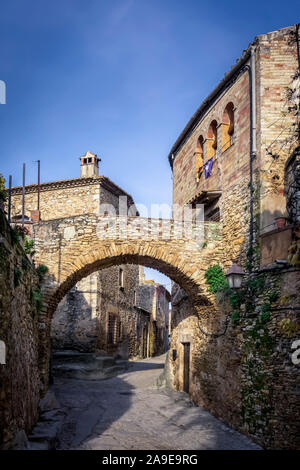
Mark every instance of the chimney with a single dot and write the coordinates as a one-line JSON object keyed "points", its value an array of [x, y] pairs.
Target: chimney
{"points": [[89, 165]]}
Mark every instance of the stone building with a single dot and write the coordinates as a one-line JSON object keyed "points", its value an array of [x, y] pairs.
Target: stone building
{"points": [[104, 311], [233, 157], [154, 299]]}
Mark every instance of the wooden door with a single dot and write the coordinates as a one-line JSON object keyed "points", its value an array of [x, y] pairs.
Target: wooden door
{"points": [[186, 367], [145, 341]]}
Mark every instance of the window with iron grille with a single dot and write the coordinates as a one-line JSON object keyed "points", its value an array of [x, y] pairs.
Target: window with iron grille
{"points": [[111, 329]]}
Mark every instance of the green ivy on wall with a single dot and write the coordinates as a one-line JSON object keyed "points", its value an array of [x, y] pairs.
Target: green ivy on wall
{"points": [[216, 279]]}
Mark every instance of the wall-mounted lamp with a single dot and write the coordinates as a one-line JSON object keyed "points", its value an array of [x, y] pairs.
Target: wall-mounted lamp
{"points": [[235, 276]]}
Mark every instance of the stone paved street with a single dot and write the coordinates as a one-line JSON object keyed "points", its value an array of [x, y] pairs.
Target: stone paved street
{"points": [[129, 412]]}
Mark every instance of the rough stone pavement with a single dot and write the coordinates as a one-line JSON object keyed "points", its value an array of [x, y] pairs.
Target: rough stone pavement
{"points": [[129, 412]]}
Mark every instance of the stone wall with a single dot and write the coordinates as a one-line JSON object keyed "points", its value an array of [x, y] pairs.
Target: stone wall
{"points": [[19, 321], [214, 376], [242, 370], [74, 325], [118, 303], [277, 118], [270, 376]]}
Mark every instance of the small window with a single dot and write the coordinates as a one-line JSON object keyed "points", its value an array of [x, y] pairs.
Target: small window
{"points": [[134, 297], [121, 278], [227, 127]]}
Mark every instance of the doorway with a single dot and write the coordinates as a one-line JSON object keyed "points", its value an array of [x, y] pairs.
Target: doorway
{"points": [[145, 342], [186, 367]]}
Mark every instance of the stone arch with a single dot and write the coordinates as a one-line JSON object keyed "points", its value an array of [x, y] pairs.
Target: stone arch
{"points": [[212, 139], [227, 126], [204, 125], [90, 264], [74, 248], [199, 157]]}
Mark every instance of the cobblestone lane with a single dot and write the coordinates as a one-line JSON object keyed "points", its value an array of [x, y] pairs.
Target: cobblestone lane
{"points": [[129, 412]]}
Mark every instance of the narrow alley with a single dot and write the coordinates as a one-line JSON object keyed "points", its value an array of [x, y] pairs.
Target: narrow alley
{"points": [[129, 412]]}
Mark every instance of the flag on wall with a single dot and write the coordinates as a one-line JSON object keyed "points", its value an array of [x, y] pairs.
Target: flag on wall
{"points": [[208, 167], [199, 173]]}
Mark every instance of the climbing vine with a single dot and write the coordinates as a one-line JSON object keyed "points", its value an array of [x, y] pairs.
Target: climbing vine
{"points": [[3, 193], [36, 295], [251, 308], [216, 279], [28, 246]]}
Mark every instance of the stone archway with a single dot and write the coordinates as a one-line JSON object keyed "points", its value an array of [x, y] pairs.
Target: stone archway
{"points": [[72, 249]]}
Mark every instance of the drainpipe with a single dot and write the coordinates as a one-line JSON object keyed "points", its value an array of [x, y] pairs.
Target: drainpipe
{"points": [[252, 93], [9, 199], [253, 101], [23, 196]]}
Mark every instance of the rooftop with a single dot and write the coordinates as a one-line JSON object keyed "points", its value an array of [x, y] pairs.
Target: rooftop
{"points": [[51, 185]]}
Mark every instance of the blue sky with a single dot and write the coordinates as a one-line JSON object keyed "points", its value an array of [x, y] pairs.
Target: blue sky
{"points": [[118, 77]]}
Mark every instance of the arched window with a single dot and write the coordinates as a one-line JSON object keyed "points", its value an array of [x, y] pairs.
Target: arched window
{"points": [[227, 127], [212, 140], [199, 158]]}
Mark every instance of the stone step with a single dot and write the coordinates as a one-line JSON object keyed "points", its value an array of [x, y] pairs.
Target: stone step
{"points": [[61, 357], [105, 361], [112, 371], [86, 371], [74, 357], [44, 435], [123, 363], [86, 366]]}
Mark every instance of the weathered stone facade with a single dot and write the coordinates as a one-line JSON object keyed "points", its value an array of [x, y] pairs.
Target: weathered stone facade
{"points": [[19, 375], [154, 298], [97, 314], [74, 324], [229, 365]]}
